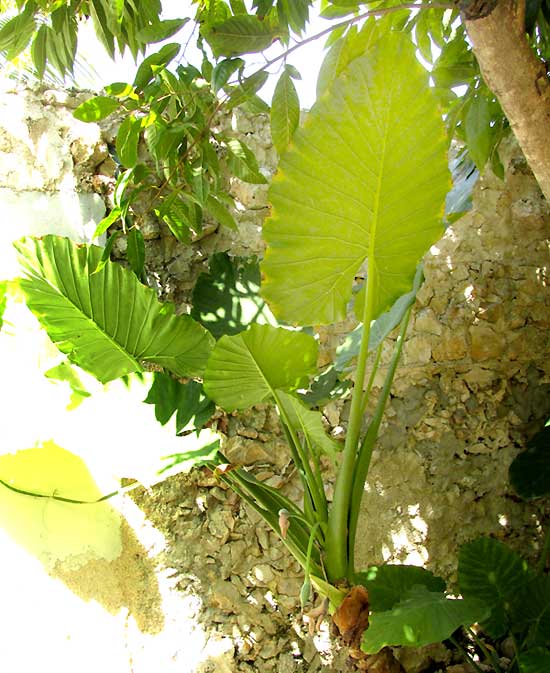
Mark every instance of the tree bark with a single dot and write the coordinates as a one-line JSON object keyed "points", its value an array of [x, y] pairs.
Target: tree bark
{"points": [[518, 79]]}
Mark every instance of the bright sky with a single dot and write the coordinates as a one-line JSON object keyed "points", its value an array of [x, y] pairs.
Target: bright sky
{"points": [[307, 59]]}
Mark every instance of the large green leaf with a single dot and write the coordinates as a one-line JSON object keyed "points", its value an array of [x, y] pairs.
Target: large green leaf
{"points": [[365, 178], [389, 584], [106, 322], [530, 609], [530, 471], [490, 571], [424, 617], [535, 661], [246, 369]]}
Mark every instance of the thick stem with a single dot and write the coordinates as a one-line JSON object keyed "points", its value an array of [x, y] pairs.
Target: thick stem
{"points": [[336, 561], [518, 79]]}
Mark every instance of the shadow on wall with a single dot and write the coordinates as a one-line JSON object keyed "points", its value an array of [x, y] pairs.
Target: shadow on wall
{"points": [[90, 547]]}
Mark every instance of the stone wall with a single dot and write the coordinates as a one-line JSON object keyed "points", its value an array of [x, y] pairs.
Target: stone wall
{"points": [[47, 159], [472, 387]]}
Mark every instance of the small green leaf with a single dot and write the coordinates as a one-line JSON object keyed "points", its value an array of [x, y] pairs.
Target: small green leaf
{"points": [[292, 71], [223, 71], [186, 400], [294, 13], [309, 424], [16, 33], [216, 208], [389, 584], [136, 251], [424, 617], [530, 471], [285, 112], [155, 63], [101, 26], [127, 141], [119, 89], [240, 35], [176, 212], [106, 255], [491, 572], [38, 50], [245, 369], [255, 105], [479, 136], [242, 162], [95, 109], [422, 35], [123, 181], [247, 89], [161, 30]]}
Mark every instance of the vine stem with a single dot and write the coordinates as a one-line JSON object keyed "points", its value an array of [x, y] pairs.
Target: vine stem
{"points": [[381, 11], [71, 501]]}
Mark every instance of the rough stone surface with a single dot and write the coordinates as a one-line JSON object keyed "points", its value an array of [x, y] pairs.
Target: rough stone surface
{"points": [[47, 159]]}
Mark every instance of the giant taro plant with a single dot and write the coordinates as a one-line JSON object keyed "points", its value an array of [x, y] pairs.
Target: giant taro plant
{"points": [[361, 187]]}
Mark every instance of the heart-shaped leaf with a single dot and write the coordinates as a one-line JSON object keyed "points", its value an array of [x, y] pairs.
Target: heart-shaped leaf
{"points": [[246, 369], [530, 471], [424, 617], [492, 572], [106, 321], [535, 661], [365, 178], [389, 584]]}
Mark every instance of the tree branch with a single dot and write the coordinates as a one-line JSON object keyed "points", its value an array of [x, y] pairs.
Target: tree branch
{"points": [[518, 79]]}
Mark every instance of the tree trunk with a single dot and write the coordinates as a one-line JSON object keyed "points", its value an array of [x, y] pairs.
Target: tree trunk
{"points": [[516, 76]]}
